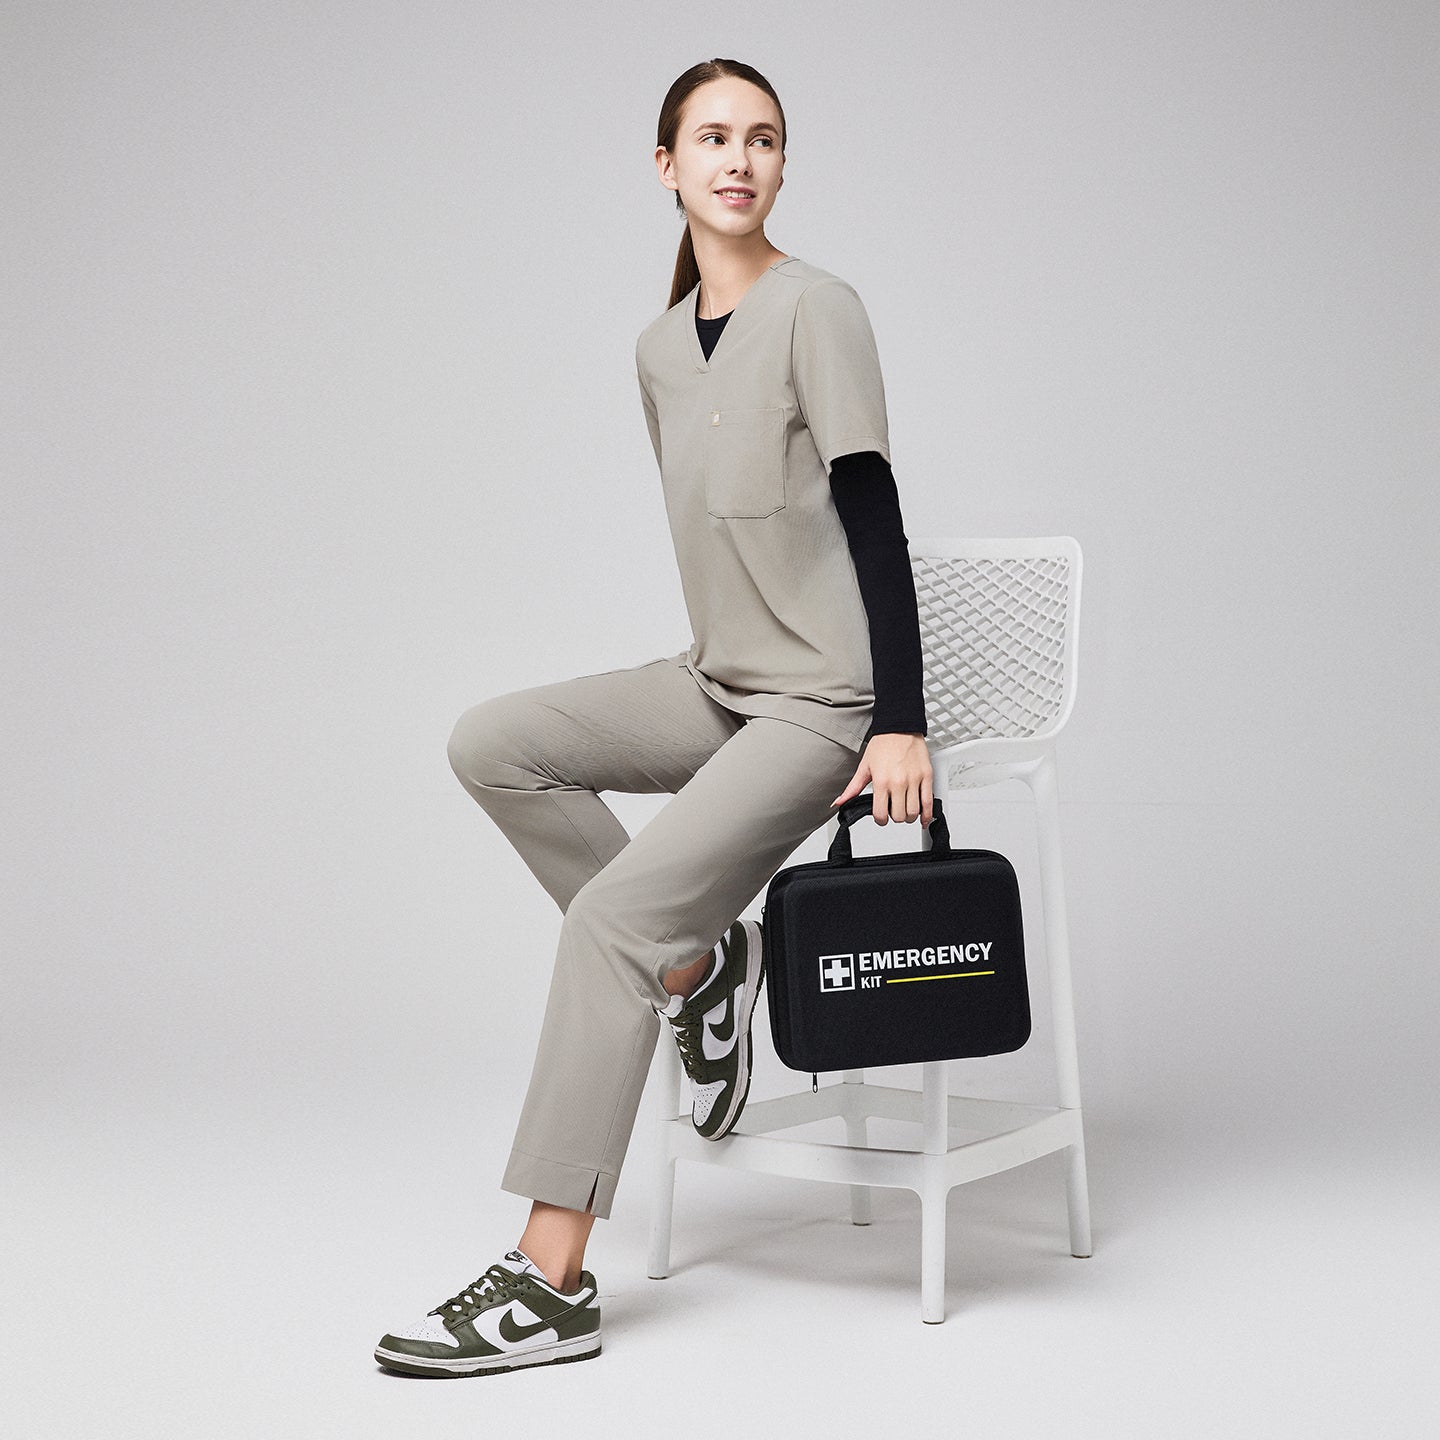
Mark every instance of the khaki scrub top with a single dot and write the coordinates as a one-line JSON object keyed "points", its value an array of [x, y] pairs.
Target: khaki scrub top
{"points": [[744, 443]]}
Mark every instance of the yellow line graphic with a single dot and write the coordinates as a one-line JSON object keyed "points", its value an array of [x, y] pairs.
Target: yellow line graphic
{"points": [[959, 975]]}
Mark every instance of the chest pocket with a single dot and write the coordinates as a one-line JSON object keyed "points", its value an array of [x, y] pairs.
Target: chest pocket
{"points": [[744, 463]]}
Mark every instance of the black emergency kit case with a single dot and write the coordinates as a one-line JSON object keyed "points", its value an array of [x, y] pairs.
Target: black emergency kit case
{"points": [[896, 958]]}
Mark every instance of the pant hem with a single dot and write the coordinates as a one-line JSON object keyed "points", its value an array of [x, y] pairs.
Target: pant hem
{"points": [[557, 1182]]}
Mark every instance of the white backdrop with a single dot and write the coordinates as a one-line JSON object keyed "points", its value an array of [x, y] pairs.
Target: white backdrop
{"points": [[320, 424]]}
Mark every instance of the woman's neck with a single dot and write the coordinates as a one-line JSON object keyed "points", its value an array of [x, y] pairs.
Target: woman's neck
{"points": [[726, 276]]}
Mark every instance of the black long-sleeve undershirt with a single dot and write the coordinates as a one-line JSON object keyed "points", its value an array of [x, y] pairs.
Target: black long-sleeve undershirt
{"points": [[868, 503]]}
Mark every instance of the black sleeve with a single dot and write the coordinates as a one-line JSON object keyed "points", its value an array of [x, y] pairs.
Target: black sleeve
{"points": [[869, 507]]}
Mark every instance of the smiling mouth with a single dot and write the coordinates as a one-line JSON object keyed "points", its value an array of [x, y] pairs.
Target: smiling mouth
{"points": [[737, 194]]}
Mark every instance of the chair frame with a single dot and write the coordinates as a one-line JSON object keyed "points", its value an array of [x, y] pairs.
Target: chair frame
{"points": [[962, 1137]]}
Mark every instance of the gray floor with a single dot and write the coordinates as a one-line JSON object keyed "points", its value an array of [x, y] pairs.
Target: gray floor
{"points": [[183, 1262]]}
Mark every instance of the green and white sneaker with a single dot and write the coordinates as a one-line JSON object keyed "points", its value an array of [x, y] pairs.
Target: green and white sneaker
{"points": [[712, 1029], [510, 1317]]}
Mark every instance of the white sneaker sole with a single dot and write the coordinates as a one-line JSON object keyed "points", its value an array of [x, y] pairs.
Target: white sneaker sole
{"points": [[556, 1353]]}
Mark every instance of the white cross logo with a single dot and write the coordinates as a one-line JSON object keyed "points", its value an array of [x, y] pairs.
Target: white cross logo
{"points": [[837, 972]]}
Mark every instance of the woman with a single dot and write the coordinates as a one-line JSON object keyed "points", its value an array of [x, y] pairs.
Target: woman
{"points": [[763, 396]]}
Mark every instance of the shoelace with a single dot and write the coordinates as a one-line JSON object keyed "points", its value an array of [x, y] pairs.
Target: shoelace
{"points": [[689, 1028], [496, 1282]]}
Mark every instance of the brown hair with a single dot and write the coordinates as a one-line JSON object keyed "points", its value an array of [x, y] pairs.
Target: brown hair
{"points": [[687, 272]]}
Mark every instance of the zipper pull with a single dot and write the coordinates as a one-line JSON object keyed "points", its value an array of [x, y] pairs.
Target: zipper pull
{"points": [[814, 1083]]}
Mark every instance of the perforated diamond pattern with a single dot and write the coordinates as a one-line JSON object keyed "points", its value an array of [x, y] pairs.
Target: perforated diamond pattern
{"points": [[993, 633]]}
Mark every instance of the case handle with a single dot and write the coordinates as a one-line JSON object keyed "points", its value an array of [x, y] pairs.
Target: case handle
{"points": [[864, 804]]}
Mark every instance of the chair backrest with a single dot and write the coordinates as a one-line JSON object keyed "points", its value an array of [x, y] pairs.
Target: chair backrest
{"points": [[999, 622]]}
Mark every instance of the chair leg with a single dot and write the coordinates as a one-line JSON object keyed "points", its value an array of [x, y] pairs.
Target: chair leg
{"points": [[933, 1195], [934, 1191], [857, 1137], [662, 1205], [935, 1140], [1077, 1199], [1043, 782]]}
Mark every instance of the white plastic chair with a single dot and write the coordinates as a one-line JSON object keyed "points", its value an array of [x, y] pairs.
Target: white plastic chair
{"points": [[999, 622]]}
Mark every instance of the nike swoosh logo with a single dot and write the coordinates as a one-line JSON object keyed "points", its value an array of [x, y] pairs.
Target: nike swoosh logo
{"points": [[725, 1030], [512, 1333]]}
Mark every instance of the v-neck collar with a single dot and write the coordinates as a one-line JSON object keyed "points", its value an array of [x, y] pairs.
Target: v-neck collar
{"points": [[692, 308]]}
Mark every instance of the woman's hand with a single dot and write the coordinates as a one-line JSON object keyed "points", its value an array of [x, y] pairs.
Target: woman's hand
{"points": [[899, 766]]}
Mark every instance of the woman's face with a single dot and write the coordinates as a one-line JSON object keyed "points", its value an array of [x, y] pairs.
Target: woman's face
{"points": [[728, 139]]}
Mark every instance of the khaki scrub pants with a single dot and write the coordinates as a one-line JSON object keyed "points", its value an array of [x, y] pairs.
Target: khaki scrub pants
{"points": [[747, 791]]}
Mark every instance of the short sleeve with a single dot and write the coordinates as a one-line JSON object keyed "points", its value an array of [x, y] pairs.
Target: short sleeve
{"points": [[836, 370], [652, 418]]}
